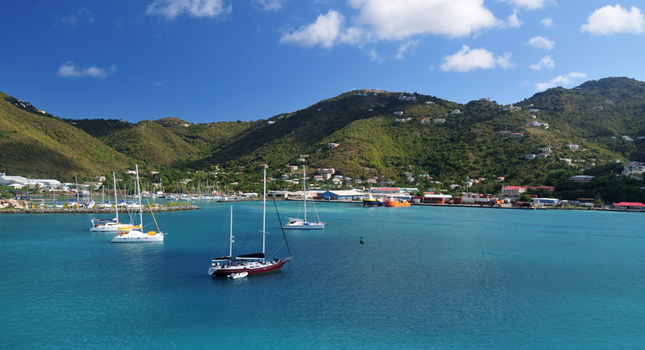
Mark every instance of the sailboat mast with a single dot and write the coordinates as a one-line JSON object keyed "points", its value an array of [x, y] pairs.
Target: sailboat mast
{"points": [[116, 201], [139, 195], [264, 212], [230, 248], [304, 189]]}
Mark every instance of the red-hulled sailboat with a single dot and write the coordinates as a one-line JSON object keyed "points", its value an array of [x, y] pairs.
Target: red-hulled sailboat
{"points": [[252, 264]]}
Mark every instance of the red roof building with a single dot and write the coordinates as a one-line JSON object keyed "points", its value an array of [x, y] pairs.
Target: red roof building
{"points": [[629, 205]]}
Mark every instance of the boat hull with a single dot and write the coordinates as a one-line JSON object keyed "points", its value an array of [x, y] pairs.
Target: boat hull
{"points": [[251, 269], [301, 225], [137, 237], [397, 204], [372, 203]]}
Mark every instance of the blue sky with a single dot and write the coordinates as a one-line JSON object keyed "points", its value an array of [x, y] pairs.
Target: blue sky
{"points": [[225, 60]]}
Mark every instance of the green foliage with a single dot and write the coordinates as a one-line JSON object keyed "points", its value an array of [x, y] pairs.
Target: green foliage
{"points": [[474, 144]]}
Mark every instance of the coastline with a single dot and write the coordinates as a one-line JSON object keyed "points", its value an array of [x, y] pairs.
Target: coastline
{"points": [[91, 210]]}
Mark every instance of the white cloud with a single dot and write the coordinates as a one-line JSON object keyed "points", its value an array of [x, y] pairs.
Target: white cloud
{"points": [[615, 19], [466, 60], [83, 15], [513, 21], [548, 22], [270, 5], [541, 43], [71, 70], [403, 49], [546, 62], [561, 80], [401, 19], [326, 31], [195, 8], [528, 4]]}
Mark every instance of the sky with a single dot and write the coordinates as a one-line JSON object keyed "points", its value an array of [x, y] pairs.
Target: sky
{"points": [[226, 60]]}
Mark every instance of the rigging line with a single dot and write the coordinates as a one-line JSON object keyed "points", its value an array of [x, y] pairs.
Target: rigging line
{"points": [[153, 216], [282, 228]]}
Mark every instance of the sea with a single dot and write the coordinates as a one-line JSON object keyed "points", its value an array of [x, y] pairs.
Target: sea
{"points": [[426, 277]]}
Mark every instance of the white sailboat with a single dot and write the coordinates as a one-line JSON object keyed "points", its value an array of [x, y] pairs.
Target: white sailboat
{"points": [[137, 235], [303, 224], [112, 225], [248, 264]]}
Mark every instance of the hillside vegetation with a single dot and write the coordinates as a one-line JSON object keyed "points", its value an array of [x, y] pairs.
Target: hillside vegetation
{"points": [[406, 138], [35, 145]]}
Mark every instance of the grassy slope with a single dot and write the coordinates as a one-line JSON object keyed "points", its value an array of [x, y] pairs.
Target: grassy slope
{"points": [[40, 146]]}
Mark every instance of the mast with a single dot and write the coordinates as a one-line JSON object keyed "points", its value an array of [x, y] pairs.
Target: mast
{"points": [[230, 248], [78, 203], [304, 189], [264, 213], [116, 203], [139, 195]]}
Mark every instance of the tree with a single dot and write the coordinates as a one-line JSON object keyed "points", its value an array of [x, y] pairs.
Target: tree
{"points": [[525, 198]]}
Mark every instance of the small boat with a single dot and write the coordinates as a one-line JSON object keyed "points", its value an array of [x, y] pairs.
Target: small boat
{"points": [[250, 264], [303, 224], [393, 202], [370, 201], [238, 275], [137, 235]]}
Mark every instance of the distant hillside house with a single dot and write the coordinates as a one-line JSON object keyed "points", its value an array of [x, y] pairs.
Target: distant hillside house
{"points": [[333, 145], [318, 178], [581, 178], [529, 156], [633, 168], [439, 120], [455, 112], [131, 172], [513, 191], [573, 146], [397, 113], [323, 171]]}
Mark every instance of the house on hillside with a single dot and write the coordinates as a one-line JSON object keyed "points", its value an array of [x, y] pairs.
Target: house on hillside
{"points": [[581, 178], [633, 168], [513, 191]]}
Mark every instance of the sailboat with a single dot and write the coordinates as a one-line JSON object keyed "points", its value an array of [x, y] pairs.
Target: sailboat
{"points": [[303, 224], [112, 225], [137, 235], [251, 264]]}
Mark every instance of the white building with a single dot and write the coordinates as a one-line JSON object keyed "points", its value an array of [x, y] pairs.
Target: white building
{"points": [[634, 167], [581, 178], [23, 181]]}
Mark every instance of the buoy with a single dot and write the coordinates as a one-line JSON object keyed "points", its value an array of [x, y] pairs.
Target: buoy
{"points": [[362, 240]]}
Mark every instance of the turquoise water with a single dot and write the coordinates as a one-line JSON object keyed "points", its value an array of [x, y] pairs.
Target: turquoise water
{"points": [[426, 278]]}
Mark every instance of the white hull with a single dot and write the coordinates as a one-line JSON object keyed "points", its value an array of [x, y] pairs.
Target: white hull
{"points": [[136, 236], [303, 225], [113, 227]]}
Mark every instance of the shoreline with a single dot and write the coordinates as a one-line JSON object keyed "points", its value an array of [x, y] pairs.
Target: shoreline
{"points": [[92, 210]]}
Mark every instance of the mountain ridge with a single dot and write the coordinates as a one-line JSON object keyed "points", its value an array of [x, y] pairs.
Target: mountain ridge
{"points": [[370, 133]]}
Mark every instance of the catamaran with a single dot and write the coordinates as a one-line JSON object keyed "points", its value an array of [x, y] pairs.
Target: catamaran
{"points": [[303, 224], [137, 235], [250, 263]]}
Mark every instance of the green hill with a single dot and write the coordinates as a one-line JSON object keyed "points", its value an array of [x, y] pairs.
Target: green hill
{"points": [[35, 144], [407, 138]]}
